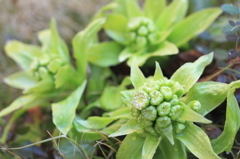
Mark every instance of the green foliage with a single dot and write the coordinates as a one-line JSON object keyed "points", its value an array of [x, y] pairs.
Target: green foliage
{"points": [[155, 113], [175, 122], [155, 30]]}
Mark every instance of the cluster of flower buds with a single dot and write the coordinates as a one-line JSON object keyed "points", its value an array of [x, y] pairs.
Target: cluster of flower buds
{"points": [[45, 66], [142, 32], [156, 106]]}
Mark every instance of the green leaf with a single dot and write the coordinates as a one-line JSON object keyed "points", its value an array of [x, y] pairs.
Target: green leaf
{"points": [[150, 145], [235, 84], [158, 72], [64, 111], [111, 98], [119, 113], [131, 147], [163, 35], [104, 54], [168, 132], [196, 140], [21, 80], [165, 48], [18, 103], [189, 73], [162, 49], [206, 93], [21, 53], [115, 27], [128, 128], [59, 47], [225, 141], [153, 8], [81, 43], [170, 14], [113, 127], [10, 123], [85, 133], [44, 37], [109, 6], [193, 25], [190, 115], [132, 8], [127, 96], [137, 76], [82, 150], [125, 54], [45, 85], [175, 151], [95, 122], [65, 76]]}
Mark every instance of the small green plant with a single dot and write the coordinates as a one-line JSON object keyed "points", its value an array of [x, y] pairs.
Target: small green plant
{"points": [[163, 111], [155, 30], [48, 74]]}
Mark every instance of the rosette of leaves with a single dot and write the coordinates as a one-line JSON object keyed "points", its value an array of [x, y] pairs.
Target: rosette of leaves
{"points": [[156, 30], [163, 111], [48, 74]]}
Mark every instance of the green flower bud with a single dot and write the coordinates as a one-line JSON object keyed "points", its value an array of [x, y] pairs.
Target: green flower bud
{"points": [[142, 31], [179, 127], [178, 89], [153, 38], [151, 27], [151, 130], [158, 129], [194, 105], [132, 36], [150, 86], [164, 109], [156, 97], [144, 122], [175, 112], [37, 75], [163, 122], [140, 99], [135, 112], [141, 41], [54, 65], [160, 83], [169, 83], [133, 25], [44, 60], [174, 100], [141, 133], [149, 113], [145, 21], [34, 64], [166, 92], [42, 71], [181, 121]]}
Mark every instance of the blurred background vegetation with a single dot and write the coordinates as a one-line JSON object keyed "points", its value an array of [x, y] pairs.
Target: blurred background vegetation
{"points": [[23, 19]]}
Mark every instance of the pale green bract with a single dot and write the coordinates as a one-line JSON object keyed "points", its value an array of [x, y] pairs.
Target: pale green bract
{"points": [[163, 111], [156, 29]]}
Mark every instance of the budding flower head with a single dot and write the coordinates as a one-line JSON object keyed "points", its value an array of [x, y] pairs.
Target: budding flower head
{"points": [[45, 66], [142, 32], [156, 106], [194, 105], [140, 99]]}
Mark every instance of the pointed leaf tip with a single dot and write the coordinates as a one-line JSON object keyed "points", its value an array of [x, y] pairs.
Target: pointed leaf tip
{"points": [[137, 77], [158, 72]]}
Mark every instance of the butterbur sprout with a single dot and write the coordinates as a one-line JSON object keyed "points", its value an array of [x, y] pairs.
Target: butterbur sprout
{"points": [[168, 108]]}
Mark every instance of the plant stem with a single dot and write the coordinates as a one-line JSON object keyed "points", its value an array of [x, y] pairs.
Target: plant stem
{"points": [[217, 73]]}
